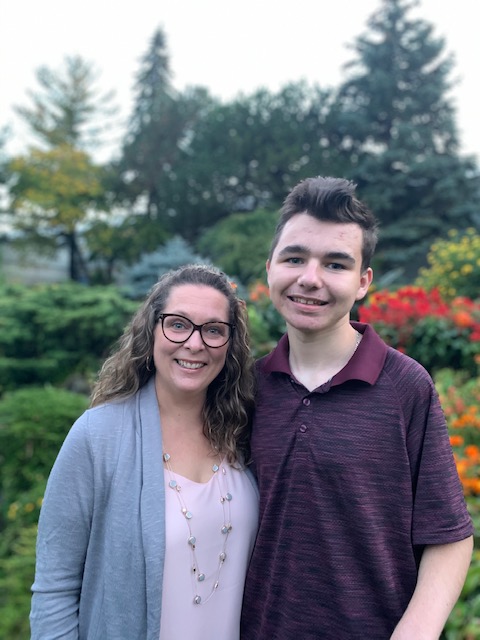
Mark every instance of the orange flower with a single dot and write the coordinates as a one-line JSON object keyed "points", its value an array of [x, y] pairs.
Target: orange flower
{"points": [[456, 441], [472, 451], [463, 319]]}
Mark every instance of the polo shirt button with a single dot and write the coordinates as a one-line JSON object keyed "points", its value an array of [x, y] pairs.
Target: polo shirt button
{"points": [[306, 402], [303, 428]]}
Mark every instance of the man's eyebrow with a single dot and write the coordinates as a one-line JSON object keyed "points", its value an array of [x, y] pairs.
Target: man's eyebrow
{"points": [[294, 248], [340, 255], [303, 250]]}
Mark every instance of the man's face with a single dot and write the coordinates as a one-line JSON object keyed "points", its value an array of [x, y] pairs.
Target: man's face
{"points": [[315, 273]]}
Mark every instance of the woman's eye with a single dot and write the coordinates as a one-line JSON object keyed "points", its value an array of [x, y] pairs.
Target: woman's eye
{"points": [[214, 330], [178, 325]]}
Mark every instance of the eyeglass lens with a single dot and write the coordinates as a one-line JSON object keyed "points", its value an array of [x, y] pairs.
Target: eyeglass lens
{"points": [[179, 329]]}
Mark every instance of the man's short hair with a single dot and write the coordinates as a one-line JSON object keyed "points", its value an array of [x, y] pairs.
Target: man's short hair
{"points": [[331, 200]]}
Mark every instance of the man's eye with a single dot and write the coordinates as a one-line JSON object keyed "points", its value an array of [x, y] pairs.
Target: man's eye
{"points": [[295, 260]]}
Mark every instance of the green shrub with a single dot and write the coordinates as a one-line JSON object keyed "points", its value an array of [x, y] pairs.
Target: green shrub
{"points": [[49, 332], [16, 577], [33, 425]]}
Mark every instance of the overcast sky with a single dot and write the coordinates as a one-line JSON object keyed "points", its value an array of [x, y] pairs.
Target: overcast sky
{"points": [[227, 46]]}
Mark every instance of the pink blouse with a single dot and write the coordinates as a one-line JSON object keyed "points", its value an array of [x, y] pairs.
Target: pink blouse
{"points": [[219, 615]]}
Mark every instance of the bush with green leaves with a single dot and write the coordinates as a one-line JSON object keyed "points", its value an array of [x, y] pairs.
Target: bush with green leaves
{"points": [[33, 426], [50, 332], [240, 243], [454, 266]]}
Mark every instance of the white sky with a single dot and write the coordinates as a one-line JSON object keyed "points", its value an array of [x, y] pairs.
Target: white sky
{"points": [[227, 46]]}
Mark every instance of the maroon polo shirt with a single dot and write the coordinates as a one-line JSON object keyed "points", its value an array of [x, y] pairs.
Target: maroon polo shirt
{"points": [[355, 478]]}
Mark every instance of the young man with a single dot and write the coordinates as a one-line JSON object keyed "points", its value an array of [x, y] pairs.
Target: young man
{"points": [[363, 531]]}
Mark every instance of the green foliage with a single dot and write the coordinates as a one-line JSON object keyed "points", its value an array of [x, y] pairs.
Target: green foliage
{"points": [[162, 122], [240, 243], [112, 247], [16, 577], [53, 192], [396, 108], [454, 266], [33, 425], [66, 108], [460, 397], [49, 332]]}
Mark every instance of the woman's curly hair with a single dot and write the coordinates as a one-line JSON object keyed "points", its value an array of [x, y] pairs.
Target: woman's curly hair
{"points": [[230, 397]]}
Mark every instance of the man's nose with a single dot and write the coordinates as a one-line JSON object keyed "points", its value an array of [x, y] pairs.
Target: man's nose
{"points": [[310, 275]]}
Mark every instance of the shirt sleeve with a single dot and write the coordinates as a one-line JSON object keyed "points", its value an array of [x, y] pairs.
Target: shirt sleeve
{"points": [[63, 535], [440, 515]]}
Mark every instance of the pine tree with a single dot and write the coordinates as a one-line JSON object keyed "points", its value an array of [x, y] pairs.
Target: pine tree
{"points": [[157, 133], [68, 109], [54, 189], [399, 123]]}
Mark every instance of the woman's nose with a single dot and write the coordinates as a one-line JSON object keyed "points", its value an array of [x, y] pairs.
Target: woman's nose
{"points": [[195, 341]]}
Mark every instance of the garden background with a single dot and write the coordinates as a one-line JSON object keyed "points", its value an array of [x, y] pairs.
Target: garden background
{"points": [[199, 180]]}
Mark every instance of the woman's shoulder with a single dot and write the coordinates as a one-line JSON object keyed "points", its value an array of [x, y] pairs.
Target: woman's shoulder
{"points": [[106, 419]]}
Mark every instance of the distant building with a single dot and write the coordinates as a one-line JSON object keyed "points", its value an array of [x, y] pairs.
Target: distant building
{"points": [[27, 267]]}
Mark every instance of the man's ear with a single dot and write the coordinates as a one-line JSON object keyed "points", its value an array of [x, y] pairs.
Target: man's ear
{"points": [[365, 282], [267, 266]]}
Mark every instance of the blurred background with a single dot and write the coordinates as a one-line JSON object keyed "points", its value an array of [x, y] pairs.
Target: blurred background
{"points": [[134, 139]]}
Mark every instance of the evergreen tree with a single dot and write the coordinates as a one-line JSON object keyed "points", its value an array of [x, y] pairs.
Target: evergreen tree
{"points": [[158, 132], [56, 188], [68, 107], [399, 123], [247, 154]]}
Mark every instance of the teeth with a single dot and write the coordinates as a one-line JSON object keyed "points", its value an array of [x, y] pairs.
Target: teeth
{"points": [[190, 365], [305, 301]]}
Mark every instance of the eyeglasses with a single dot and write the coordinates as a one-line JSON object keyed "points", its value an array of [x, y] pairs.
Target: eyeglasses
{"points": [[179, 329]]}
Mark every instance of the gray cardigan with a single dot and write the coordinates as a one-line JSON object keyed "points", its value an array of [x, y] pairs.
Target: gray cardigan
{"points": [[101, 537]]}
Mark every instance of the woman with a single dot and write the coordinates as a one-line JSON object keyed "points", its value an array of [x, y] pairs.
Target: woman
{"points": [[149, 516]]}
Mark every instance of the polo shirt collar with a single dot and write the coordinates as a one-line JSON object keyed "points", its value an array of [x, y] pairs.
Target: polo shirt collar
{"points": [[366, 363]]}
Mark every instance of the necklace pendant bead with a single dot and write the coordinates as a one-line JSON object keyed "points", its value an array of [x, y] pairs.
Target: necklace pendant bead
{"points": [[173, 484], [224, 529], [188, 514], [201, 577], [228, 496], [197, 600], [223, 556], [191, 541], [166, 457], [215, 468]]}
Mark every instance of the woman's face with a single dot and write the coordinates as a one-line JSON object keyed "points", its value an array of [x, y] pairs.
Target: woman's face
{"points": [[189, 367]]}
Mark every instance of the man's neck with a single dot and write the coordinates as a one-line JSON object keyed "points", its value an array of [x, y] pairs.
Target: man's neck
{"points": [[315, 359]]}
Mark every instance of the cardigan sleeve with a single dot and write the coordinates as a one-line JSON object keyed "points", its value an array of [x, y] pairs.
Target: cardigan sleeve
{"points": [[63, 535]]}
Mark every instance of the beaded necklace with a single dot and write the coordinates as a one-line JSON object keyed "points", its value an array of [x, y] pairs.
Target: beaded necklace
{"points": [[198, 576]]}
